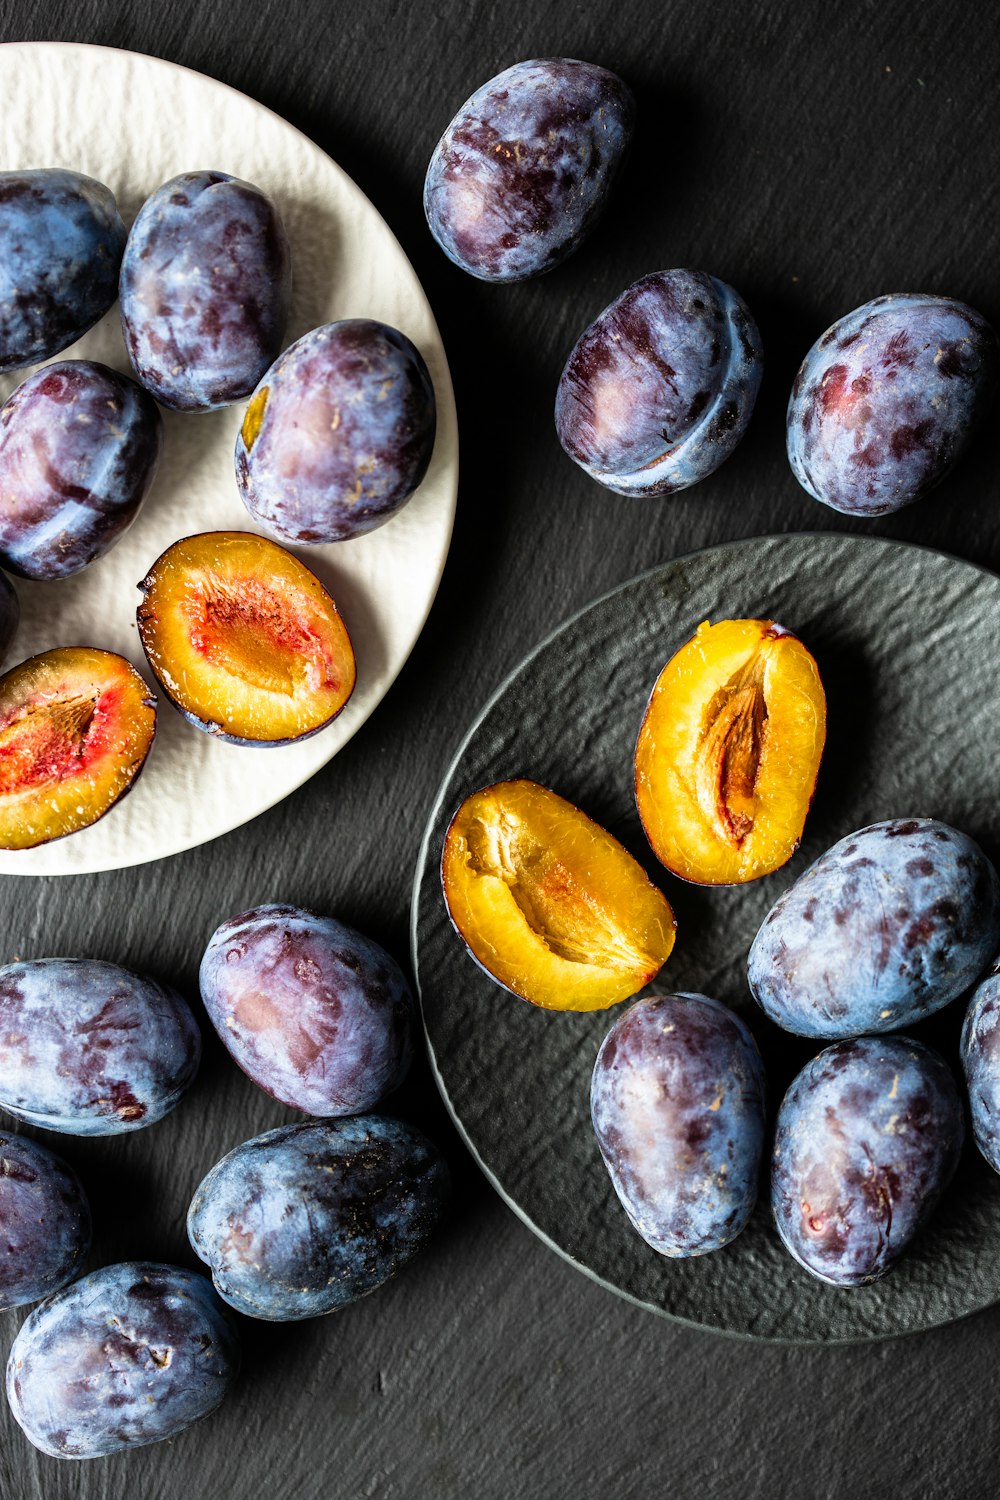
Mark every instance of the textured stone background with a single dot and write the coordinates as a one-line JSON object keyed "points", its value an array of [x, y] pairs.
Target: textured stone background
{"points": [[815, 156]]}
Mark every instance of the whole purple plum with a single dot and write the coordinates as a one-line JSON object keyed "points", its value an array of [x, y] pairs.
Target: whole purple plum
{"points": [[659, 389], [45, 1219], [887, 926], [677, 1102], [88, 1048], [888, 399], [132, 1354], [339, 433], [316, 1014], [61, 243], [79, 445], [980, 1048], [205, 290], [867, 1139], [305, 1219], [525, 168]]}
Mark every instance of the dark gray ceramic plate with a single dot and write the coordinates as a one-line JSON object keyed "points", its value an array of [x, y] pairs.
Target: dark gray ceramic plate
{"points": [[908, 644]]}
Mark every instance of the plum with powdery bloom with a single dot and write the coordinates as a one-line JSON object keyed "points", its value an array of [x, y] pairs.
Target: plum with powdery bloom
{"points": [[888, 400], [980, 1050], [205, 290], [868, 1138], [45, 1218], [659, 389], [525, 168], [308, 1218], [61, 244], [313, 1012]]}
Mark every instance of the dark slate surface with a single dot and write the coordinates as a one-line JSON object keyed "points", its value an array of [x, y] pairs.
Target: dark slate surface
{"points": [[815, 156]]}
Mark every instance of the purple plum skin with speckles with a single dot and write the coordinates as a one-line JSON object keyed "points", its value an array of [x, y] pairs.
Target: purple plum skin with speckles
{"points": [[45, 1221], [677, 1103], [308, 1218], [867, 1139], [88, 1048], [205, 290], [888, 399], [889, 925], [61, 243], [346, 435], [79, 445], [980, 1049], [525, 168], [659, 389], [314, 1013], [129, 1355]]}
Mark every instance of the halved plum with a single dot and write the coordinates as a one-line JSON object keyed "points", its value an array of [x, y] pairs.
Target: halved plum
{"points": [[549, 903], [244, 639], [728, 753], [76, 725]]}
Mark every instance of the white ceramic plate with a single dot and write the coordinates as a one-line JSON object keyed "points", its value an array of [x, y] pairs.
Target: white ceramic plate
{"points": [[133, 122]]}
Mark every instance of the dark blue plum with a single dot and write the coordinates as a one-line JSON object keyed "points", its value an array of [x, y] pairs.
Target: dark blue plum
{"points": [[205, 290], [885, 928], [315, 1013], [87, 1048], [305, 1219], [339, 433], [981, 1061], [868, 1138], [61, 243], [129, 1355], [677, 1102], [525, 168], [659, 389], [888, 399], [44, 1222], [79, 445]]}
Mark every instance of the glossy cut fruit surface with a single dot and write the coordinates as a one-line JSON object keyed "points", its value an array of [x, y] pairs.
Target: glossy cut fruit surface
{"points": [[315, 1013], [308, 1218], [205, 289], [887, 926], [888, 400], [729, 751], [45, 1221], [526, 166], [339, 433], [131, 1354], [79, 445], [89, 1048], [677, 1104], [244, 639], [61, 243], [658, 391], [76, 725], [868, 1137], [548, 902]]}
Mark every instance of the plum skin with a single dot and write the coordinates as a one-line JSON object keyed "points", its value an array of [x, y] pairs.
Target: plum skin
{"points": [[338, 434], [525, 168], [79, 445], [867, 1139], [886, 402], [61, 244], [887, 926], [46, 1222], [305, 1219], [89, 1048], [314, 1013], [980, 1052], [131, 1354], [677, 1104], [202, 338], [659, 389]]}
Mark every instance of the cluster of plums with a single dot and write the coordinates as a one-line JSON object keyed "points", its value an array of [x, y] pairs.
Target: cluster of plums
{"points": [[294, 1223], [659, 389], [337, 435]]}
